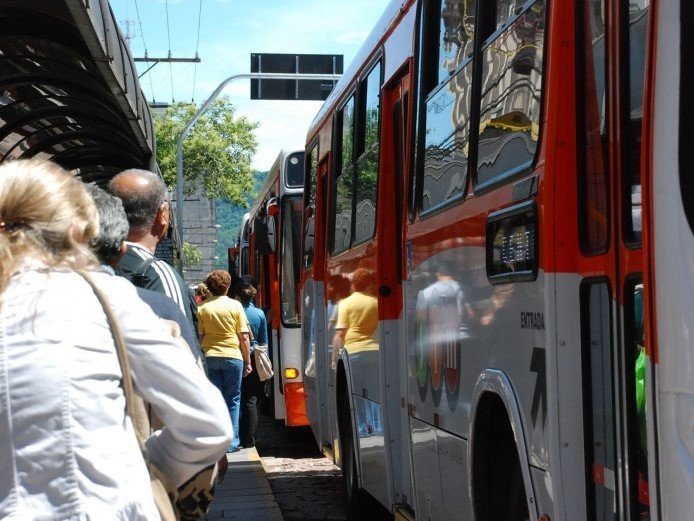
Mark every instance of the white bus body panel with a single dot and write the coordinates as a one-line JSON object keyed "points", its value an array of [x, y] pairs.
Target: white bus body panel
{"points": [[674, 280]]}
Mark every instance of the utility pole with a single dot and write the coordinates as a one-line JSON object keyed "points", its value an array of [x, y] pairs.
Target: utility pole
{"points": [[130, 30]]}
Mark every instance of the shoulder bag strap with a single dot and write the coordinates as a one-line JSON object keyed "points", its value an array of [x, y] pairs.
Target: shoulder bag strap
{"points": [[121, 351]]}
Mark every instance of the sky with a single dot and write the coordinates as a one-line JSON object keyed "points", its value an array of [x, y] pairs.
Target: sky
{"points": [[230, 30]]}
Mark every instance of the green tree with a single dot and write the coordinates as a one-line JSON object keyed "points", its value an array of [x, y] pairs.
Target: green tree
{"points": [[217, 152], [191, 254], [229, 218]]}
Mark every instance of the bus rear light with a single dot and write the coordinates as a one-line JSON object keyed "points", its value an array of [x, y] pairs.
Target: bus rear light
{"points": [[290, 373]]}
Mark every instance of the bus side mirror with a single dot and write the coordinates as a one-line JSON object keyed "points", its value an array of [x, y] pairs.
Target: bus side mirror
{"points": [[265, 235], [271, 231], [273, 207]]}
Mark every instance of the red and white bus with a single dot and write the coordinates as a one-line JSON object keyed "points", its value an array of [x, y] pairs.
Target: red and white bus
{"points": [[270, 250], [498, 262]]}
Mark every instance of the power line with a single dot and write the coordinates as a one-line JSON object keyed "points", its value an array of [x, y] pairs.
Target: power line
{"points": [[144, 42], [168, 35], [197, 47]]}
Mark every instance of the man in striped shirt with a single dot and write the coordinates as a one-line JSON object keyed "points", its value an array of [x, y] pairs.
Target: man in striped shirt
{"points": [[146, 202]]}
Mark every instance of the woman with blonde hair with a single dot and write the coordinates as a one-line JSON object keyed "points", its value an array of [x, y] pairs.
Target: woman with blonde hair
{"points": [[224, 339], [67, 448]]}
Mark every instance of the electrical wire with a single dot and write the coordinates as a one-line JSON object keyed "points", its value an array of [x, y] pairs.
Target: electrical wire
{"points": [[197, 47], [144, 42], [168, 35]]}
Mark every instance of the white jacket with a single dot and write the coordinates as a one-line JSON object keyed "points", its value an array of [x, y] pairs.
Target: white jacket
{"points": [[67, 450]]}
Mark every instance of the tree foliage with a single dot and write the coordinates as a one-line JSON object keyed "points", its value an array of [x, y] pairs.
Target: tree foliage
{"points": [[229, 218], [191, 254], [217, 152]]}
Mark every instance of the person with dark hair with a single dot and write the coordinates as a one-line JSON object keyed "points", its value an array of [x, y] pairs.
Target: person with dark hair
{"points": [[146, 203], [109, 246], [244, 291], [68, 450], [223, 331]]}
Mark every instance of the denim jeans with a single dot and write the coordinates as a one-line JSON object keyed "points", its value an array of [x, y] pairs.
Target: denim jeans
{"points": [[226, 375]]}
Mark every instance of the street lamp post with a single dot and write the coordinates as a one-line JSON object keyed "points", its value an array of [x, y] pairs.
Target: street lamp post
{"points": [[201, 111]]}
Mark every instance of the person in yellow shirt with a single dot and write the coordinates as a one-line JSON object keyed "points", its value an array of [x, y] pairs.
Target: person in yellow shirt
{"points": [[357, 315], [224, 339]]}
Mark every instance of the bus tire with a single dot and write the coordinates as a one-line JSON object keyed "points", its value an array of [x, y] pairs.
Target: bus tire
{"points": [[359, 504], [350, 473], [497, 477], [267, 399]]}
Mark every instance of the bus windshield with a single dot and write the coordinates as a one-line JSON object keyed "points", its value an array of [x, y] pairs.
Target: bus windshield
{"points": [[295, 170], [291, 258]]}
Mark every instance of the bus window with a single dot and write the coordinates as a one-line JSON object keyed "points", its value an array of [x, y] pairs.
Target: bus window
{"points": [[599, 401], [507, 9], [291, 226], [445, 134], [245, 266], [344, 184], [456, 35], [310, 190], [295, 170], [511, 96], [367, 166], [593, 189], [446, 141], [638, 27], [636, 399], [686, 129]]}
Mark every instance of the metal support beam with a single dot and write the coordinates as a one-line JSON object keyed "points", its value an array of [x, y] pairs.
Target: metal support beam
{"points": [[169, 60], [203, 109]]}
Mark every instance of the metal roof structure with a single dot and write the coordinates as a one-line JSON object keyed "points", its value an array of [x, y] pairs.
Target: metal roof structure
{"points": [[69, 90]]}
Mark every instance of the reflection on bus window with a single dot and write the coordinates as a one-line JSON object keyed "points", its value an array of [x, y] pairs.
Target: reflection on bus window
{"points": [[291, 247], [600, 442], [638, 26], [347, 143], [507, 9], [447, 140], [367, 166], [511, 92], [343, 212], [311, 190], [456, 35], [593, 181], [637, 401]]}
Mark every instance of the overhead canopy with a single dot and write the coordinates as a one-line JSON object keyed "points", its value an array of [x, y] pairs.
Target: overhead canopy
{"points": [[69, 90]]}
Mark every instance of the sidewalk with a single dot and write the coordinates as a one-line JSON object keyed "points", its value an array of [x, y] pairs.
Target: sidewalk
{"points": [[245, 493]]}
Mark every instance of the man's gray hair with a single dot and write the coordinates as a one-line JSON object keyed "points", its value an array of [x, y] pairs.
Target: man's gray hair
{"points": [[140, 205], [113, 224]]}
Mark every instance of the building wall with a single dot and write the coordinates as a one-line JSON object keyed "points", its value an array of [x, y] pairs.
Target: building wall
{"points": [[199, 221]]}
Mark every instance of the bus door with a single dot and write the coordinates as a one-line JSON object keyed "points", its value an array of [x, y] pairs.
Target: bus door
{"points": [[616, 371], [394, 168]]}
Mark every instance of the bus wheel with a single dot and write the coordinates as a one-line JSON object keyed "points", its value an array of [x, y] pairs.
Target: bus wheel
{"points": [[349, 460], [358, 503], [267, 399], [498, 488]]}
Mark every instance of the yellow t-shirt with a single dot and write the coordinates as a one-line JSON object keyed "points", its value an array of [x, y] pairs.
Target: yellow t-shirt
{"points": [[358, 316], [220, 321]]}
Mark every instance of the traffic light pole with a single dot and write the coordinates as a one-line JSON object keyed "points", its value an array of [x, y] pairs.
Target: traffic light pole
{"points": [[203, 109]]}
